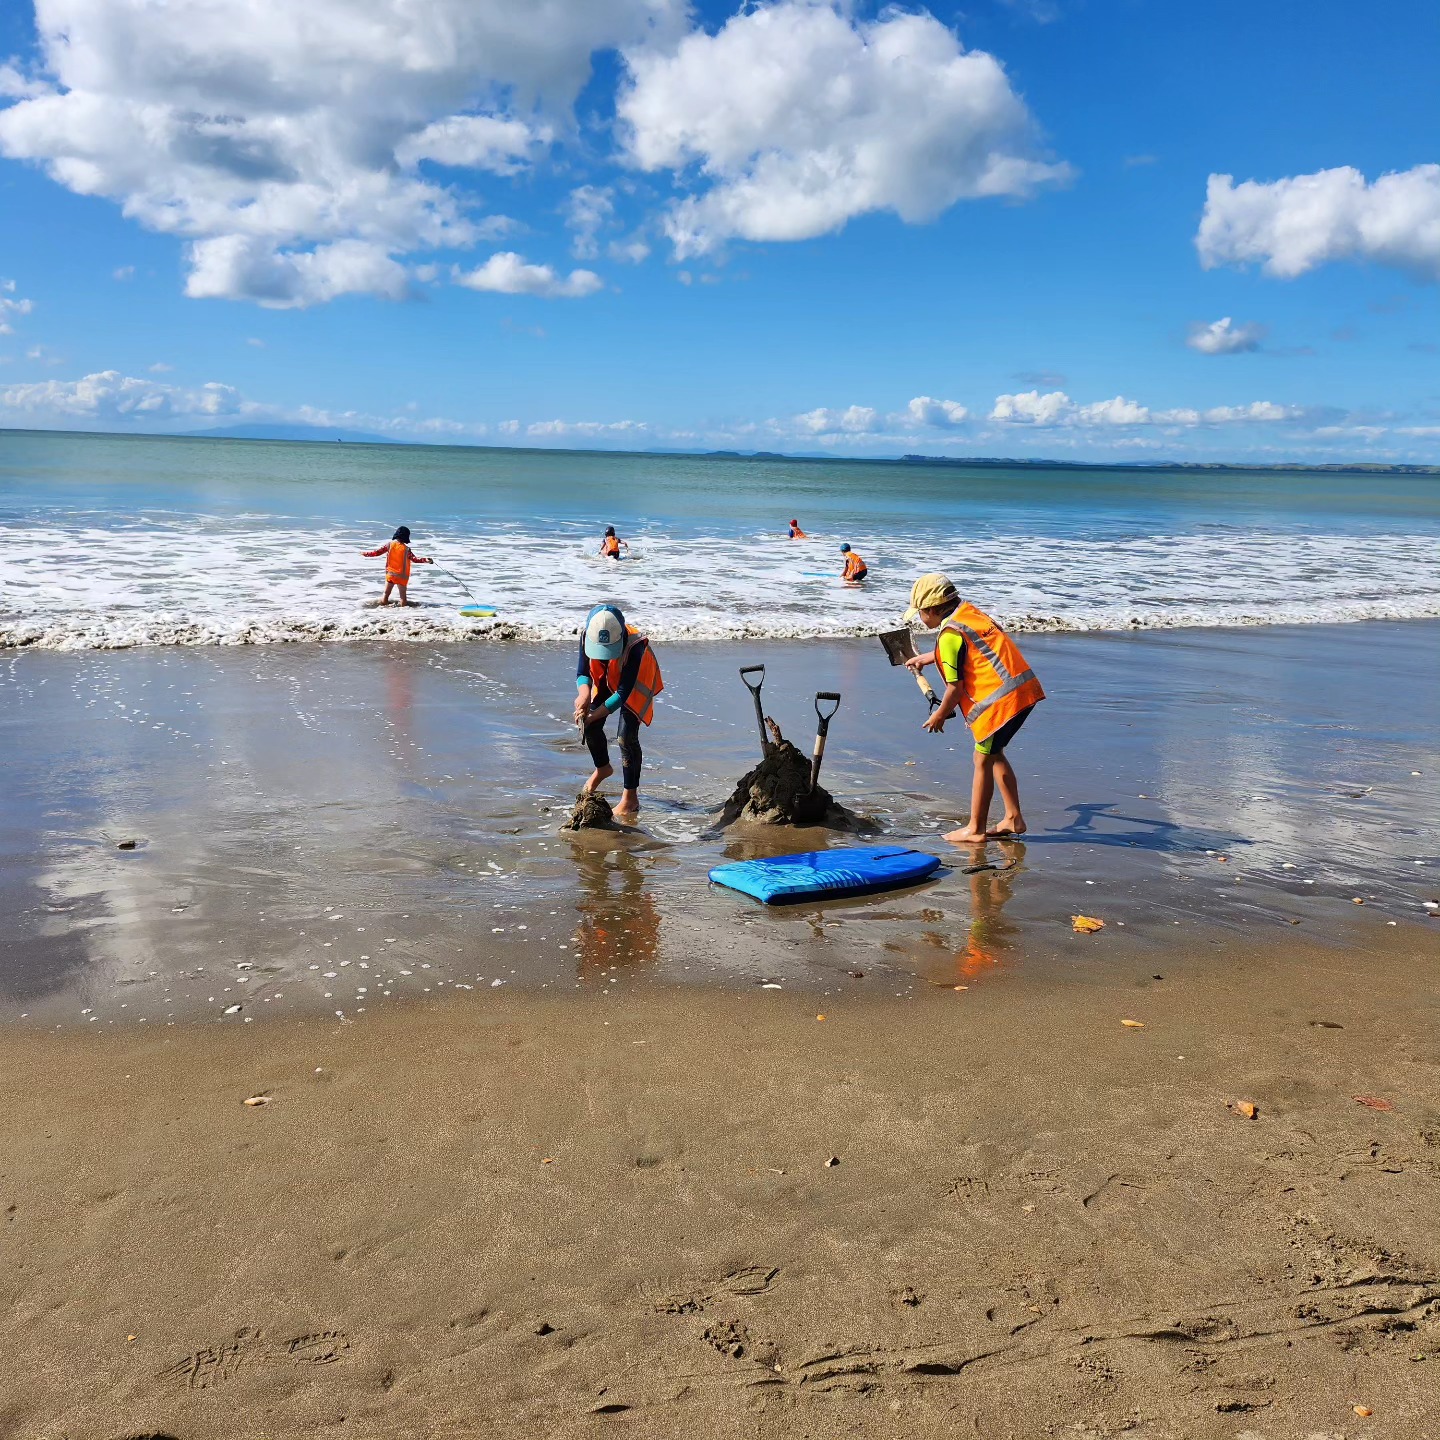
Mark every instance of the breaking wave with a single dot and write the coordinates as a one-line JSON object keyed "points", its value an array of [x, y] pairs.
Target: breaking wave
{"points": [[92, 581]]}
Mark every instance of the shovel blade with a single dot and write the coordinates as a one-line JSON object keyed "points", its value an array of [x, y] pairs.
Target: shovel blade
{"points": [[899, 646]]}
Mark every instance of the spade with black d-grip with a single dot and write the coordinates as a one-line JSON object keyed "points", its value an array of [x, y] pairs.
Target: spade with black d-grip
{"points": [[745, 672], [900, 647], [831, 698]]}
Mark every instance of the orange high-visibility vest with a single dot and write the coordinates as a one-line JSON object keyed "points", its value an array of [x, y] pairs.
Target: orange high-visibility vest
{"points": [[648, 683], [854, 565], [995, 682], [397, 563], [612, 545]]}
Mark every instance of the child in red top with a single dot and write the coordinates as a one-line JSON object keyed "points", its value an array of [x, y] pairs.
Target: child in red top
{"points": [[398, 559]]}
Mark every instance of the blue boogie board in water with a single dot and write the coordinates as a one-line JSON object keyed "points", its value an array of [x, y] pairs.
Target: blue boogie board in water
{"points": [[827, 874]]}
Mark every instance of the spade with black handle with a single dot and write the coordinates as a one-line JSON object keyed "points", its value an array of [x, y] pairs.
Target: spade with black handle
{"points": [[745, 672], [823, 697]]}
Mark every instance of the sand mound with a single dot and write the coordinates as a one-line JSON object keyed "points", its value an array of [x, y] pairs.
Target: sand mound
{"points": [[777, 792], [591, 812]]}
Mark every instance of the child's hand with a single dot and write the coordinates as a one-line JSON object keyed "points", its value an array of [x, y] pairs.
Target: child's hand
{"points": [[936, 723], [915, 663]]}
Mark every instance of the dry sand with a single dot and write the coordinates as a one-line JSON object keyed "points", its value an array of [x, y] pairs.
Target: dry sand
{"points": [[554, 1216]]}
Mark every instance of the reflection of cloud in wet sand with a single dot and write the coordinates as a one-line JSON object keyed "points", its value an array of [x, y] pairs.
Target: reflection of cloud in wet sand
{"points": [[619, 922]]}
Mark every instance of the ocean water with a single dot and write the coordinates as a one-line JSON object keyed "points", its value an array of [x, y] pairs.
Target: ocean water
{"points": [[120, 541]]}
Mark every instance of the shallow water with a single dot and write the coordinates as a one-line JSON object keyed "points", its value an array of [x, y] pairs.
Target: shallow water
{"points": [[133, 540], [333, 827]]}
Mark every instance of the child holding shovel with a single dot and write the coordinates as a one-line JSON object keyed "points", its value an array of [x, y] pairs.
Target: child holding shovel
{"points": [[988, 682]]}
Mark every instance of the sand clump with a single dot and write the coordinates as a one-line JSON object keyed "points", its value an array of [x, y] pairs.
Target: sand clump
{"points": [[591, 812], [777, 792]]}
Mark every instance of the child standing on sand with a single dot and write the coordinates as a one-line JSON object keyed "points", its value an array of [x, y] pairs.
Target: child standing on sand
{"points": [[989, 683], [398, 559], [617, 671]]}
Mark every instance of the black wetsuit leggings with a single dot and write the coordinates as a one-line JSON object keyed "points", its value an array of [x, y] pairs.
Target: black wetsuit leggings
{"points": [[630, 753]]}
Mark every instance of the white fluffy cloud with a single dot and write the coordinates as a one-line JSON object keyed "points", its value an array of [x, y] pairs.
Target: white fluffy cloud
{"points": [[476, 142], [286, 141], [801, 117], [250, 267], [587, 429], [1261, 410], [942, 414], [109, 395], [854, 420], [1057, 408], [588, 210], [1292, 225], [1224, 337], [1030, 407], [11, 305], [507, 273]]}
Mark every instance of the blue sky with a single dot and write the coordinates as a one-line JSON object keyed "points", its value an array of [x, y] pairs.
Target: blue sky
{"points": [[988, 229]]}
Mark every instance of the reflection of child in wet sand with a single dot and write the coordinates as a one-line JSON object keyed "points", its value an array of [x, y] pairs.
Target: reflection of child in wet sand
{"points": [[398, 559], [989, 683], [617, 671]]}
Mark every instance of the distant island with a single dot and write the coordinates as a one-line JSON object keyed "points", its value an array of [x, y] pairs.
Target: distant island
{"points": [[319, 434], [293, 433], [1357, 467]]}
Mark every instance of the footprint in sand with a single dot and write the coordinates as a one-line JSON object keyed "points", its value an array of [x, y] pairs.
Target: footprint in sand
{"points": [[213, 1365], [751, 1280], [323, 1348]]}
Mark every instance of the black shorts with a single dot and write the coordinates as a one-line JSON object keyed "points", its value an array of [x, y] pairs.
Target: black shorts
{"points": [[996, 744]]}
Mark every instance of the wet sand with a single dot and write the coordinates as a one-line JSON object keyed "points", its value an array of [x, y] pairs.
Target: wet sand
{"points": [[332, 828], [595, 1195], [563, 1215]]}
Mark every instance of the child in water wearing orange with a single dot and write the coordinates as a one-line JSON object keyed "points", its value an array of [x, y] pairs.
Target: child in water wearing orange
{"points": [[855, 567], [612, 545], [988, 682], [398, 559], [796, 533], [617, 672]]}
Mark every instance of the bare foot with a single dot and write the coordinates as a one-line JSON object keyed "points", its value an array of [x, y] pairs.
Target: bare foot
{"points": [[967, 835], [601, 775], [629, 806], [1011, 827]]}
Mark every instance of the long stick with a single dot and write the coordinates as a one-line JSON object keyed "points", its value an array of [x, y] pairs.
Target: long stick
{"points": [[473, 599]]}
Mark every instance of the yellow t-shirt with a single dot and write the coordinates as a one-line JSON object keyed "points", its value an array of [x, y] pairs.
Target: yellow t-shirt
{"points": [[947, 655]]}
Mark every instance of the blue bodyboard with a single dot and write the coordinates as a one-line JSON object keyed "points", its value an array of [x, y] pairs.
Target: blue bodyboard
{"points": [[827, 874]]}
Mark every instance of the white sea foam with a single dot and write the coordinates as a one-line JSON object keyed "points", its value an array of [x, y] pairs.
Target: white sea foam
{"points": [[176, 578]]}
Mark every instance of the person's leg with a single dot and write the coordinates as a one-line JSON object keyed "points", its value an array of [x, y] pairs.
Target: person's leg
{"points": [[402, 589], [982, 791], [631, 759], [1012, 822], [600, 754], [389, 586]]}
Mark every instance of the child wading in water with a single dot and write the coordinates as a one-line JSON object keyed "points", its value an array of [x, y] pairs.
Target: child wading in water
{"points": [[990, 685], [612, 545], [617, 671], [398, 559]]}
